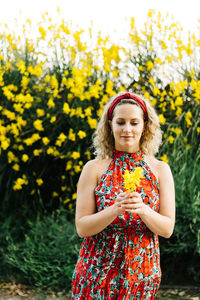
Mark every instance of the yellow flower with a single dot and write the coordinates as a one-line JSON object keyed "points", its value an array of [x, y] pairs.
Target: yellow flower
{"points": [[164, 158], [1, 80], [66, 200], [66, 108], [72, 135], [88, 111], [163, 45], [18, 107], [40, 112], [178, 131], [178, 112], [25, 157], [54, 82], [68, 165], [81, 134], [37, 152], [15, 167], [179, 101], [62, 137], [188, 117], [140, 68], [38, 125], [51, 103], [75, 155], [47, 78], [109, 88], [34, 138], [78, 112], [55, 194], [92, 123], [32, 192], [25, 82], [5, 143], [74, 196], [39, 181], [87, 153], [198, 129], [168, 58], [162, 119], [11, 157], [53, 119], [19, 182], [158, 61], [132, 179], [152, 82], [45, 140], [42, 32], [77, 169], [156, 91], [149, 65], [171, 139], [21, 66]]}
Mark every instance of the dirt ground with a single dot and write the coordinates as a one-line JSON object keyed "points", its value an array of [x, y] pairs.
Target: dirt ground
{"points": [[13, 291]]}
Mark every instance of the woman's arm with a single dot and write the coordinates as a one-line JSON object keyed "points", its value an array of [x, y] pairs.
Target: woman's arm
{"points": [[88, 221], [161, 223]]}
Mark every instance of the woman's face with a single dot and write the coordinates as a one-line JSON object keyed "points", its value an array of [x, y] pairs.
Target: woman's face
{"points": [[127, 126]]}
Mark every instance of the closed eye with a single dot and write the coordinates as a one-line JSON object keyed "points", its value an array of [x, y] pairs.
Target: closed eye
{"points": [[122, 123]]}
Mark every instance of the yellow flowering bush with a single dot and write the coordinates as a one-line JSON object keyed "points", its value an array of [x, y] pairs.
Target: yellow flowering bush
{"points": [[53, 90]]}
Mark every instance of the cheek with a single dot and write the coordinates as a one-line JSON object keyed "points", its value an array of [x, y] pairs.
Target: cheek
{"points": [[116, 129], [138, 132]]}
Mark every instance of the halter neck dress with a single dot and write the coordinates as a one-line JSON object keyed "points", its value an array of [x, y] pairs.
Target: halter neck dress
{"points": [[123, 261]]}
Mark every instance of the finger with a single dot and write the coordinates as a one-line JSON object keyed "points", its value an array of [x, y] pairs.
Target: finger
{"points": [[134, 194], [122, 196], [132, 200], [134, 211], [131, 206]]}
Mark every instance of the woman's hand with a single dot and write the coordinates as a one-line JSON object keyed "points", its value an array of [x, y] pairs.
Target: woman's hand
{"points": [[133, 203], [117, 206]]}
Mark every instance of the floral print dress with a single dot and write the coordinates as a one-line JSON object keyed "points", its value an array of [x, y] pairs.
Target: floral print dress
{"points": [[123, 261]]}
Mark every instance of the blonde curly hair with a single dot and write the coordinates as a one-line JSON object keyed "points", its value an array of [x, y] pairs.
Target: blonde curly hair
{"points": [[103, 140]]}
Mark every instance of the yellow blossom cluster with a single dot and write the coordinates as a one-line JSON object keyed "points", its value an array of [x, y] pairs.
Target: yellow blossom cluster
{"points": [[132, 179]]}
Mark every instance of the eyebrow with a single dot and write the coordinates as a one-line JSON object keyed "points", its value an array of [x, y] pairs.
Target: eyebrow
{"points": [[133, 119]]}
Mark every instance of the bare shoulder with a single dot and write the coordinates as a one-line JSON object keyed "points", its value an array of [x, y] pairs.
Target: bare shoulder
{"points": [[94, 169], [159, 168], [164, 172], [95, 164], [163, 167], [91, 167]]}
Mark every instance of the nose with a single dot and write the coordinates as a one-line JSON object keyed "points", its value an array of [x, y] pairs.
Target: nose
{"points": [[127, 127]]}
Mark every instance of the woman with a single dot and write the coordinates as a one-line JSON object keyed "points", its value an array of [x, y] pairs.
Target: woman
{"points": [[119, 256]]}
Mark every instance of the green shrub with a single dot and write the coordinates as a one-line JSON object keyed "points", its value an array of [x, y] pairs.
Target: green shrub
{"points": [[181, 253], [46, 257]]}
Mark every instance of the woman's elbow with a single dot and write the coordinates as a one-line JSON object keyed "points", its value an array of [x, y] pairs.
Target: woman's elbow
{"points": [[168, 233], [79, 232]]}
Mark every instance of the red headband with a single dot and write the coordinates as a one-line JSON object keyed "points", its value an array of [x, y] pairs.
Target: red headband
{"points": [[128, 96]]}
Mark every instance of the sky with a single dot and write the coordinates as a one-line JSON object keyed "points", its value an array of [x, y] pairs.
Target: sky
{"points": [[110, 16]]}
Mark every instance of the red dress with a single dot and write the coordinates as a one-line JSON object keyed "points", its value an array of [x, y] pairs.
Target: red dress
{"points": [[123, 261]]}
